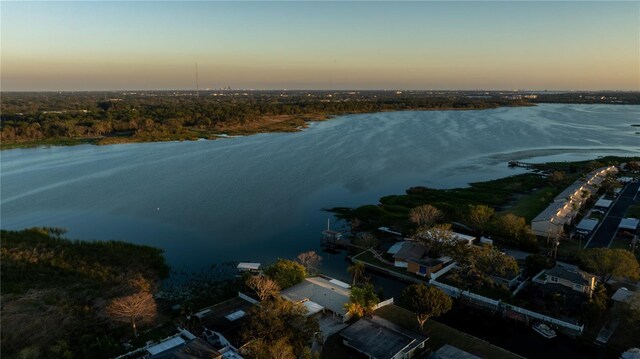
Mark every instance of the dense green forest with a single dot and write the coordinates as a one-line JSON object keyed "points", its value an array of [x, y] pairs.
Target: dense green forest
{"points": [[109, 117], [56, 292]]}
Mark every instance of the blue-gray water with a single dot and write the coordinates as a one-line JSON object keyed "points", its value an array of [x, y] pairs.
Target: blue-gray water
{"points": [[260, 197]]}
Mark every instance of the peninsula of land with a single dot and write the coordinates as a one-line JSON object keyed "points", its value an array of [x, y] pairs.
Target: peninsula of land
{"points": [[70, 118]]}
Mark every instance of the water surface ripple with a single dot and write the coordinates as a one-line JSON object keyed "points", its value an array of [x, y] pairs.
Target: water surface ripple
{"points": [[260, 197]]}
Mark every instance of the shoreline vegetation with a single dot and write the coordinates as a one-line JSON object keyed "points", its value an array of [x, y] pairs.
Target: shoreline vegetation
{"points": [[512, 202], [52, 282], [31, 119], [64, 119]]}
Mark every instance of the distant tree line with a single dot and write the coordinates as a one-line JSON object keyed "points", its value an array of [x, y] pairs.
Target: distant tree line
{"points": [[28, 117]]}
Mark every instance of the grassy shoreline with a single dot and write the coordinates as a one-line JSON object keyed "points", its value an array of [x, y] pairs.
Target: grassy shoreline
{"points": [[524, 196]]}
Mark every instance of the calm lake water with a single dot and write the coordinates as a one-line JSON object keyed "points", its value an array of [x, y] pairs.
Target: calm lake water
{"points": [[261, 197]]}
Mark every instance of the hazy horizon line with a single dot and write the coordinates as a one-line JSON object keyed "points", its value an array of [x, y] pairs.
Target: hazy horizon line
{"points": [[330, 90]]}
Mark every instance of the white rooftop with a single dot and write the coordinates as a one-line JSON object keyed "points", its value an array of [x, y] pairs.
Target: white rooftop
{"points": [[165, 345], [604, 203], [463, 237], [248, 266], [202, 313], [312, 307], [340, 283], [622, 295], [629, 223], [322, 291], [395, 248], [587, 224], [235, 315]]}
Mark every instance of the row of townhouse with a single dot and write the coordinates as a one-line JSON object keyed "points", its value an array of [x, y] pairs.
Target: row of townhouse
{"points": [[566, 205]]}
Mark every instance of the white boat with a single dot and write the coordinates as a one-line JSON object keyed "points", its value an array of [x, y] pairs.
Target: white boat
{"points": [[544, 330]]}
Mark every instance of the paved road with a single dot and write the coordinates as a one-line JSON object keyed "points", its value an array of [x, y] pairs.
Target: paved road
{"points": [[609, 226]]}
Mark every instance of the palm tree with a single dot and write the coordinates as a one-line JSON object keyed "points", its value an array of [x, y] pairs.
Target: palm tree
{"points": [[356, 271]]}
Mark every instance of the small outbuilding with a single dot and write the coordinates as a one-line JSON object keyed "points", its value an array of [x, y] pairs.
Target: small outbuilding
{"points": [[248, 267], [629, 224], [586, 226], [603, 203]]}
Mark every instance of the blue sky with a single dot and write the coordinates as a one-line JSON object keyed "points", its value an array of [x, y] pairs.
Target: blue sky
{"points": [[404, 45]]}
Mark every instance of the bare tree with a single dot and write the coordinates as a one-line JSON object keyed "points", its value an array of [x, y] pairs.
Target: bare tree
{"points": [[425, 215], [310, 261], [136, 308], [264, 287]]}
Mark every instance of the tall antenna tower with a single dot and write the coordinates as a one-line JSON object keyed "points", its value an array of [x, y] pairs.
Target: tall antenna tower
{"points": [[197, 85]]}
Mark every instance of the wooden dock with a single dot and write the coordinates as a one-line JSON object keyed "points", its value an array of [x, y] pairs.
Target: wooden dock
{"points": [[521, 164]]}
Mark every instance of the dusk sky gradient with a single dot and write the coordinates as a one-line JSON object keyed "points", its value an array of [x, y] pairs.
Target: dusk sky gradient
{"points": [[320, 45]]}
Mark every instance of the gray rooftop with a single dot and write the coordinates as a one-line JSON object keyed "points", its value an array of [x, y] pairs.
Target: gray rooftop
{"points": [[587, 224], [321, 291], [411, 249], [450, 352], [571, 274], [381, 339], [195, 349], [549, 212], [629, 223], [569, 191]]}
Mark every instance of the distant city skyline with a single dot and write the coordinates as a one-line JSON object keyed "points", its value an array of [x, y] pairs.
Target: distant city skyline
{"points": [[65, 46]]}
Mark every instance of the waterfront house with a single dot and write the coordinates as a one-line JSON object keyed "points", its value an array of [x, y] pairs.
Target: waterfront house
{"points": [[408, 250], [320, 294], [381, 339], [568, 276], [426, 266]]}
